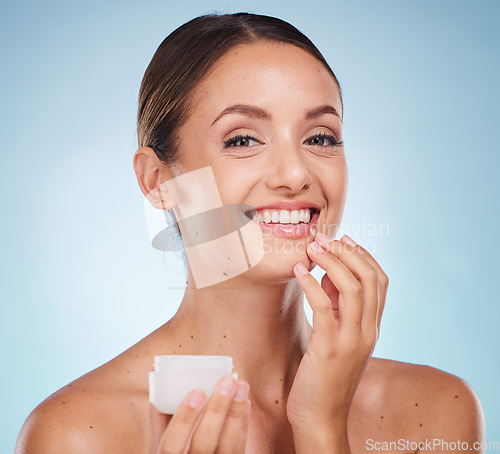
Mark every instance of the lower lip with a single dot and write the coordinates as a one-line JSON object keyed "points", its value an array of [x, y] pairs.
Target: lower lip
{"points": [[293, 231]]}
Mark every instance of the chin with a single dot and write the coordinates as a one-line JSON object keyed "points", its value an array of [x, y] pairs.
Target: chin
{"points": [[279, 260]]}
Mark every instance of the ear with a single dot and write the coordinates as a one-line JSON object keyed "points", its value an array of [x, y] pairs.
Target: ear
{"points": [[152, 176]]}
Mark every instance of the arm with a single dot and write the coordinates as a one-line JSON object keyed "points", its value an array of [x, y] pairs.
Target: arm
{"points": [[454, 414], [347, 309], [82, 423], [50, 432], [78, 421]]}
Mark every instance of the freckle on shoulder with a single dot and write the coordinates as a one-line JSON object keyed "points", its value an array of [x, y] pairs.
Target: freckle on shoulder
{"points": [[425, 391], [71, 420]]}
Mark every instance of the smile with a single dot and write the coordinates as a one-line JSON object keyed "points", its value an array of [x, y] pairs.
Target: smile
{"points": [[288, 219], [266, 216]]}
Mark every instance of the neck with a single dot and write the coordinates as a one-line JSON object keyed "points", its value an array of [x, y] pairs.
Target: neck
{"points": [[262, 326]]}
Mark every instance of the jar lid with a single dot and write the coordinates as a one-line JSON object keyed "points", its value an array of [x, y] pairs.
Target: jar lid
{"points": [[193, 363]]}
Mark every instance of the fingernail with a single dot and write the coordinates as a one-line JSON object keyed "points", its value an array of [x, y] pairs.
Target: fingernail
{"points": [[226, 386], [322, 237], [197, 398], [301, 268], [316, 247], [241, 391], [348, 240]]}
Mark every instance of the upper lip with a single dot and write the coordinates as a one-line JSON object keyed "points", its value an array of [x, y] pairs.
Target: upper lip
{"points": [[288, 205]]}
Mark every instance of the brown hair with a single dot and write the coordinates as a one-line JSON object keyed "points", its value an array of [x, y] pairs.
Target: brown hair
{"points": [[184, 58]]}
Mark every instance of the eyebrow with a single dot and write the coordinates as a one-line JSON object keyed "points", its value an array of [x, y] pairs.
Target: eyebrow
{"points": [[249, 111], [256, 112], [322, 110]]}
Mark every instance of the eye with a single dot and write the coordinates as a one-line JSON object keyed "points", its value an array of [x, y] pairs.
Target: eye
{"points": [[241, 141], [324, 140]]}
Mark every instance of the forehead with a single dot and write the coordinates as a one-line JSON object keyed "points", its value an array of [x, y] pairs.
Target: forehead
{"points": [[264, 73]]}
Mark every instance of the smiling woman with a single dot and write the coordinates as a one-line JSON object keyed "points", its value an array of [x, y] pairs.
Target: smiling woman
{"points": [[242, 110]]}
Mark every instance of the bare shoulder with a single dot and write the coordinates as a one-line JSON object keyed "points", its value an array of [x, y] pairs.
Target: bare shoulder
{"points": [[100, 412], [419, 402], [104, 411]]}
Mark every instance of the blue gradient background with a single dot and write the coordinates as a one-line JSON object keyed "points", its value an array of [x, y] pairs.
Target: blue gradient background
{"points": [[80, 282]]}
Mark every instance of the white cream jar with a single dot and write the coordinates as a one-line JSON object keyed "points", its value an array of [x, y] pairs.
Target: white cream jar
{"points": [[175, 375]]}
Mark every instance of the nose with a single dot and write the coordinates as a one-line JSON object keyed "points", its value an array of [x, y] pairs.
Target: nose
{"points": [[288, 169]]}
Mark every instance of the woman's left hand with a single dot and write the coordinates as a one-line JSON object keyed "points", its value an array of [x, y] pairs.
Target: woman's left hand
{"points": [[347, 309]]}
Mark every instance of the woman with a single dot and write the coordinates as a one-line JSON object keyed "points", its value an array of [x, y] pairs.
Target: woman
{"points": [[252, 100]]}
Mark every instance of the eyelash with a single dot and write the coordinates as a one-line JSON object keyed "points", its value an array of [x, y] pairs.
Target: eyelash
{"points": [[335, 142], [232, 140]]}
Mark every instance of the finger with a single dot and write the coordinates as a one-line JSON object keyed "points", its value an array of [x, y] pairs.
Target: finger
{"points": [[383, 279], [366, 274], [175, 439], [332, 292], [230, 436], [244, 429], [350, 289], [157, 424], [323, 318], [207, 434], [366, 255]]}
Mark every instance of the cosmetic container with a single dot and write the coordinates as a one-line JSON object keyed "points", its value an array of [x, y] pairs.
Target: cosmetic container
{"points": [[174, 376]]}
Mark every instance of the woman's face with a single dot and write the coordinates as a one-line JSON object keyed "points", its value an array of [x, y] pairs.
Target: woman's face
{"points": [[266, 119]]}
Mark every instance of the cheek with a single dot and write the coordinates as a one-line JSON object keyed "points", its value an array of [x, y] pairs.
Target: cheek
{"points": [[336, 194], [334, 181], [234, 181], [195, 150]]}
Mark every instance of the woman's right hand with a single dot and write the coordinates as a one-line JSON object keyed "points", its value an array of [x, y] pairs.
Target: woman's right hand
{"points": [[221, 428]]}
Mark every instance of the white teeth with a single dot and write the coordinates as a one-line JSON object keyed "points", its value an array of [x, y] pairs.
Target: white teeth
{"points": [[257, 217], [284, 217]]}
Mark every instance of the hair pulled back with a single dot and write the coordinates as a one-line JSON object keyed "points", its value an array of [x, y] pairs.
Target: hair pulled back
{"points": [[184, 58]]}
